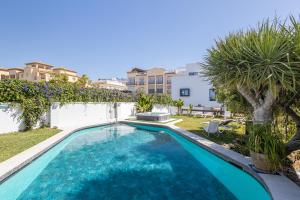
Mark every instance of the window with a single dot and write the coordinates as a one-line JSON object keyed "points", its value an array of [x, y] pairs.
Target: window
{"points": [[12, 76], [131, 81], [185, 92], [141, 81], [159, 90], [151, 91], [212, 94], [3, 77], [159, 79], [194, 73], [151, 79]]}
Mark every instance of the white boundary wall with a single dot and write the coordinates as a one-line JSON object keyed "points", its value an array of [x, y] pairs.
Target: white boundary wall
{"points": [[10, 119], [68, 116], [125, 110], [84, 114]]}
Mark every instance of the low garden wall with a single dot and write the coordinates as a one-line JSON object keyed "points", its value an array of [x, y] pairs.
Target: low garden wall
{"points": [[85, 114], [10, 119], [68, 115]]}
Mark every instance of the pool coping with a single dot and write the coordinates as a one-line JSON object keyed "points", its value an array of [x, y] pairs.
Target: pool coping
{"points": [[279, 186]]}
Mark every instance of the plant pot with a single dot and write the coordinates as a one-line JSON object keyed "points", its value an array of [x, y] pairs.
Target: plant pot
{"points": [[261, 162]]}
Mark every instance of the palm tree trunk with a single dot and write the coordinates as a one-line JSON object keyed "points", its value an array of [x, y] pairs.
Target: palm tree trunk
{"points": [[294, 143], [262, 115], [262, 109]]}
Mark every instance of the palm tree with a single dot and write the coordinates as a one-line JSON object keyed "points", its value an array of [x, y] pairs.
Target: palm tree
{"points": [[83, 80], [144, 103], [179, 103], [256, 64], [190, 109], [262, 64]]}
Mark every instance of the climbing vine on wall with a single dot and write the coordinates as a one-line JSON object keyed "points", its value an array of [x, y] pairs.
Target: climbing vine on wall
{"points": [[35, 98]]}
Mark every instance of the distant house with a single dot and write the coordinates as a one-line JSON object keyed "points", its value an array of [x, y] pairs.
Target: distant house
{"points": [[151, 81], [189, 86], [71, 75], [15, 73], [37, 71], [4, 74], [112, 84]]}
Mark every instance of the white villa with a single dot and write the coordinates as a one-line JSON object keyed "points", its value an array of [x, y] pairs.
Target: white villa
{"points": [[189, 86]]}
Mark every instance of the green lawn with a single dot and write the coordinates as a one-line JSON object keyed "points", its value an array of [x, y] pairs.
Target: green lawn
{"points": [[234, 137], [16, 142]]}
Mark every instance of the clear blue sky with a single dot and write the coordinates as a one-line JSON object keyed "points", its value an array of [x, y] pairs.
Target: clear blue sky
{"points": [[105, 38]]}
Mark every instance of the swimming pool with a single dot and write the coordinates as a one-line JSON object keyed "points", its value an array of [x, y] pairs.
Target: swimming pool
{"points": [[130, 162]]}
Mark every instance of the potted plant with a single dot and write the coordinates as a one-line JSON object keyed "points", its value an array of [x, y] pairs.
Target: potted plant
{"points": [[266, 150]]}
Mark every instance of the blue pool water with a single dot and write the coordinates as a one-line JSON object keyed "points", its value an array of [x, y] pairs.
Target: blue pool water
{"points": [[130, 162]]}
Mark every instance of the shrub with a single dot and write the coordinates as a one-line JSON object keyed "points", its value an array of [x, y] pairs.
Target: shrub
{"points": [[262, 140], [144, 103]]}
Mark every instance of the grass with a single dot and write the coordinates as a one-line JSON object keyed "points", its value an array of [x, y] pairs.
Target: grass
{"points": [[234, 137], [16, 142]]}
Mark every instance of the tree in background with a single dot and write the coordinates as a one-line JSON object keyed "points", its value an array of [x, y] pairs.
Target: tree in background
{"points": [[190, 109], [59, 79], [260, 64], [83, 81], [179, 104]]}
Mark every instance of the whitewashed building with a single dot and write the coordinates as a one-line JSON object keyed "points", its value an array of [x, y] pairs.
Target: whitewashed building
{"points": [[189, 86], [111, 84]]}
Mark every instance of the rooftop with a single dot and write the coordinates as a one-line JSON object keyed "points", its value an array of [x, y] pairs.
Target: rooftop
{"points": [[39, 62], [138, 70], [64, 69], [15, 68]]}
